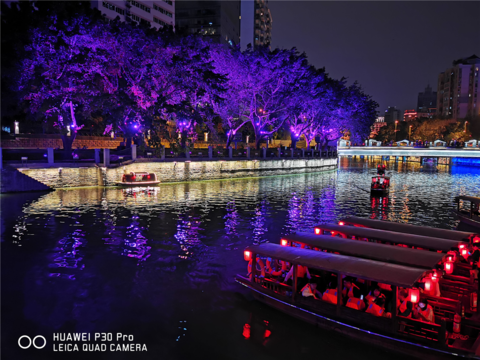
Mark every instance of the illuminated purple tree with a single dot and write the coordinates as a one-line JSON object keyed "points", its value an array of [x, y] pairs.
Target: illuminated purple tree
{"points": [[261, 88], [57, 78]]}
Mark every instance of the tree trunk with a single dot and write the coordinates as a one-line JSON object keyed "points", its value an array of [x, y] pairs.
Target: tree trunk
{"points": [[258, 140], [128, 142], [67, 145], [229, 140], [307, 140]]}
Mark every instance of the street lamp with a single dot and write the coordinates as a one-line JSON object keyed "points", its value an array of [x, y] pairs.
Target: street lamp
{"points": [[409, 132], [396, 123], [465, 130]]}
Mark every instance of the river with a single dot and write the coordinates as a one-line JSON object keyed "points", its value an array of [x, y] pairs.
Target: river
{"points": [[159, 264]]}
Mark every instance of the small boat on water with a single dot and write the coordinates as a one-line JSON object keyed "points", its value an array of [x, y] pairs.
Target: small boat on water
{"points": [[468, 210], [139, 179], [449, 335], [380, 185]]}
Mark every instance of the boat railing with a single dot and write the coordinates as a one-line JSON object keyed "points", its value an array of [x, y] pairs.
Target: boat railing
{"points": [[417, 329], [270, 284], [444, 307]]}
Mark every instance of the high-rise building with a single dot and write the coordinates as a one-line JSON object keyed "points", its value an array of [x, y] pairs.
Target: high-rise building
{"points": [[457, 91], [219, 20], [426, 100], [155, 13], [256, 24], [377, 125], [392, 114]]}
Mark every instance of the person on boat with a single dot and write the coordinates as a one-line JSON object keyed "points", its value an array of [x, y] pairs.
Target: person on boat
{"points": [[377, 307], [373, 294], [424, 311], [274, 267], [405, 307], [302, 275], [351, 289], [311, 290]]}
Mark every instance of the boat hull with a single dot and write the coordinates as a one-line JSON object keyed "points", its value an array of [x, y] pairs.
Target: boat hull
{"points": [[379, 192], [389, 343], [138, 183]]}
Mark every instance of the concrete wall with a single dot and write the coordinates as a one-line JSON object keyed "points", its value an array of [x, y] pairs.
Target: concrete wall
{"points": [[177, 171]]}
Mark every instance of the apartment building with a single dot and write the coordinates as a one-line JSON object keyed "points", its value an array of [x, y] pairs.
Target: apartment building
{"points": [[457, 91], [426, 100], [219, 20], [158, 13], [256, 24]]}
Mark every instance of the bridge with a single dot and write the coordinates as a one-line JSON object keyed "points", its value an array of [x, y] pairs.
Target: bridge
{"points": [[408, 151]]}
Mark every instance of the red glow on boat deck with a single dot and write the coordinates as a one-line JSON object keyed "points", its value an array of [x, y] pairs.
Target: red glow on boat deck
{"points": [[341, 223], [284, 242], [317, 231]]}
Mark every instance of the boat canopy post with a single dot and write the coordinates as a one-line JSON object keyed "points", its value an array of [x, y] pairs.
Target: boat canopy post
{"points": [[294, 281], [339, 293], [254, 267], [394, 310]]}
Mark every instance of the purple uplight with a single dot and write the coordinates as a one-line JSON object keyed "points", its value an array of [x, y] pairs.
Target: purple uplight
{"points": [[136, 126]]}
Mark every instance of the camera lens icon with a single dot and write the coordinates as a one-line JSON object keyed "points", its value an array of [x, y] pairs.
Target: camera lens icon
{"points": [[31, 342]]}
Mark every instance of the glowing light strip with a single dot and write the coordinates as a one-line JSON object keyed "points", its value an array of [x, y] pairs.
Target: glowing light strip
{"points": [[351, 326]]}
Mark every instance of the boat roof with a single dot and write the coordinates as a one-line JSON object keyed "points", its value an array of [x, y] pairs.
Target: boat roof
{"points": [[385, 177], [425, 242], [468, 198], [369, 250], [140, 173], [382, 272], [408, 228]]}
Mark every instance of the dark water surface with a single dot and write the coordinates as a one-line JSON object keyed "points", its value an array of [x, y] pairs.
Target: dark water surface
{"points": [[159, 264]]}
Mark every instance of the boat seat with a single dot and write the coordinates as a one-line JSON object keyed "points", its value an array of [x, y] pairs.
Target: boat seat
{"points": [[374, 309], [355, 303], [330, 296]]}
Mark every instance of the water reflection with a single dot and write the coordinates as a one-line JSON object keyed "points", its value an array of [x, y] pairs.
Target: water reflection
{"points": [[100, 259]]}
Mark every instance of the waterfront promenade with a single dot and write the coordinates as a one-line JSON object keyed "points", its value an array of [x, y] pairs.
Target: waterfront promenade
{"points": [[409, 151]]}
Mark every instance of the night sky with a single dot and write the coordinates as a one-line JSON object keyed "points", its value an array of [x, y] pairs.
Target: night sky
{"points": [[394, 49]]}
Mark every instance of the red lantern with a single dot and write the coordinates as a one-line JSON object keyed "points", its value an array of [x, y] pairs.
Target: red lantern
{"points": [[434, 277], [317, 231], [476, 239], [341, 223], [464, 252], [414, 295], [452, 256], [448, 267], [247, 255], [428, 285], [283, 242]]}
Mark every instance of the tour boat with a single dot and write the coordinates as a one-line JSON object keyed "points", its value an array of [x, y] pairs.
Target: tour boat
{"points": [[390, 237], [449, 335], [139, 179], [469, 215], [380, 185], [466, 236]]}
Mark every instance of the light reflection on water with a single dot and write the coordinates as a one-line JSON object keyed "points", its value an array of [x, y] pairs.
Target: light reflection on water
{"points": [[147, 261]]}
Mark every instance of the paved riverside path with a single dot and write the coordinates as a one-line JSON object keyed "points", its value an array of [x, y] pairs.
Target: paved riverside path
{"points": [[408, 151]]}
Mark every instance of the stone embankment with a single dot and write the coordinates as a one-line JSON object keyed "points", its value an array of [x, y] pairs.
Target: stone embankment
{"points": [[176, 171]]}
